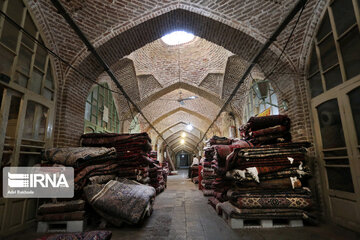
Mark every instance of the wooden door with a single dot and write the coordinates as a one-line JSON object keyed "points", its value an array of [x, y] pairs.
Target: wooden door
{"points": [[337, 128]]}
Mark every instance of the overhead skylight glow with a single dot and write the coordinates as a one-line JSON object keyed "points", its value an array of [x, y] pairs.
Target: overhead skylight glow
{"points": [[189, 127], [177, 37]]}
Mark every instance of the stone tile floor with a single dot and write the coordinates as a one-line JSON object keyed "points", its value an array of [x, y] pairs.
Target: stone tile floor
{"points": [[182, 212]]}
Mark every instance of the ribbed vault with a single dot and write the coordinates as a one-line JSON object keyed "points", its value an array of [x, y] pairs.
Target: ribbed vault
{"points": [[147, 75]]}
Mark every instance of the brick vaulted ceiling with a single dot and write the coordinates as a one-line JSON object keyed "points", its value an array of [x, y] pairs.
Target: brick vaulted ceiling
{"points": [[126, 34]]}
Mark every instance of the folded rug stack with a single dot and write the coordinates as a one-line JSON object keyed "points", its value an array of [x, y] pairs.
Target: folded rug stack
{"points": [[91, 164], [268, 182], [222, 151], [208, 174], [131, 149], [194, 171], [165, 170], [267, 129], [121, 201], [62, 211], [156, 174], [219, 152]]}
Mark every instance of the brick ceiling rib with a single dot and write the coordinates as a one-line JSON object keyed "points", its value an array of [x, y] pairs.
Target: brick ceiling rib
{"points": [[182, 115], [174, 140], [187, 142], [179, 117], [184, 147], [194, 108], [177, 134], [182, 85], [181, 126]]}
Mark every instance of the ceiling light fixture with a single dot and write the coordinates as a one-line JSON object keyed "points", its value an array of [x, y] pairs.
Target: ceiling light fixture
{"points": [[189, 127], [183, 134], [182, 141]]}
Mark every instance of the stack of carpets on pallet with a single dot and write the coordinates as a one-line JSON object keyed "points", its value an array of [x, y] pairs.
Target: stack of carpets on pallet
{"points": [[62, 211], [208, 172], [267, 129], [194, 174], [220, 151], [268, 182], [166, 170], [132, 152], [156, 174], [91, 164], [122, 201]]}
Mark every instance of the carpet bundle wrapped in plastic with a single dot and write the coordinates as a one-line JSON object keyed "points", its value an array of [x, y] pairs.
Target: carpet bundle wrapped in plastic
{"points": [[121, 201]]}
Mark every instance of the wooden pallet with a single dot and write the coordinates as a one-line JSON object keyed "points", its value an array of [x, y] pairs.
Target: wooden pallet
{"points": [[235, 223], [61, 226]]}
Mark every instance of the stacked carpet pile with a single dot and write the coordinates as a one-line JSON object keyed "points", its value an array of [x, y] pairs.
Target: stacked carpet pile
{"points": [[220, 151], [62, 211], [268, 182], [263, 176], [166, 170], [194, 174], [104, 170], [208, 174], [91, 164], [131, 149], [156, 174], [267, 129]]}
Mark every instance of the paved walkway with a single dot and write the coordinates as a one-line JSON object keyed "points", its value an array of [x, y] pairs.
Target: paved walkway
{"points": [[182, 212]]}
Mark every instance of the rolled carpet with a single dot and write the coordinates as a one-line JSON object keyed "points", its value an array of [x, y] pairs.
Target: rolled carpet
{"points": [[124, 199]]}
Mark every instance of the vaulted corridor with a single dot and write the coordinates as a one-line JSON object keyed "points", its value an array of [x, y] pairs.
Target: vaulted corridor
{"points": [[159, 114]]}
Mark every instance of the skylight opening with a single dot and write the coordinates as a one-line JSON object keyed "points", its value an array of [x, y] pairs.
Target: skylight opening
{"points": [[177, 37]]}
